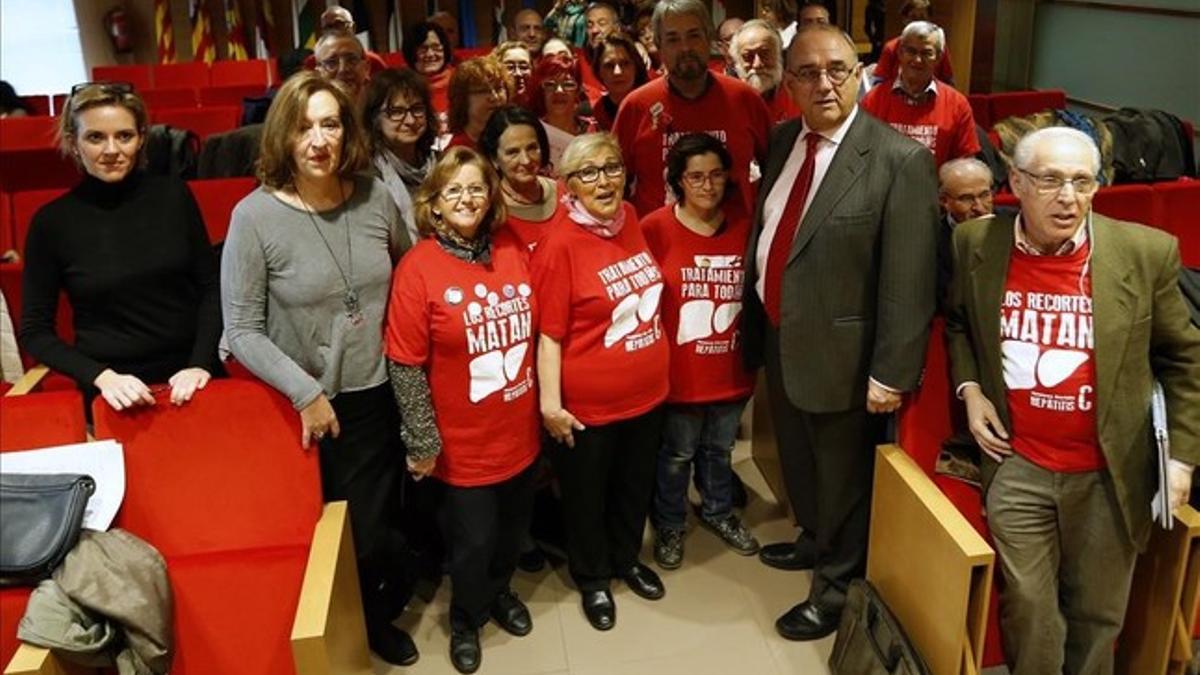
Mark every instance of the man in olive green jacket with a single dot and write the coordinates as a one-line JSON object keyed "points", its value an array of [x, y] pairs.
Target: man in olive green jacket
{"points": [[1060, 321]]}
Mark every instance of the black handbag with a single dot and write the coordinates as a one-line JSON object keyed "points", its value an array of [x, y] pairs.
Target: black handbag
{"points": [[869, 640], [40, 518]]}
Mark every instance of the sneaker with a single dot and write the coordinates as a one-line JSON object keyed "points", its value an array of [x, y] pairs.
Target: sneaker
{"points": [[731, 530], [668, 548]]}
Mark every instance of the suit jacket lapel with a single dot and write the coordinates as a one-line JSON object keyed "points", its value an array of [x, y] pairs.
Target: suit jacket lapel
{"points": [[989, 272], [849, 160], [1113, 305]]}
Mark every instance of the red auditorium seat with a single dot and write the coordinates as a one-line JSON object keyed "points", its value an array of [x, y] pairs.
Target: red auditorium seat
{"points": [[1178, 212], [24, 205], [222, 488], [216, 198], [981, 109], [187, 74], [230, 95], [39, 104], [1134, 203], [7, 238], [28, 422], [175, 97], [137, 75], [394, 59], [27, 133], [60, 103], [273, 64], [1021, 103], [924, 422], [229, 73], [203, 121], [64, 318]]}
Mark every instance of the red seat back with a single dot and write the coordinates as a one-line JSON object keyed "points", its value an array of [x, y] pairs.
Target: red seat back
{"points": [[60, 103], [187, 74], [981, 108], [39, 104], [137, 75], [230, 94], [7, 236], [64, 318], [24, 133], [394, 59], [41, 420], [175, 97], [1021, 103], [1178, 212], [252, 72], [925, 421], [216, 198], [203, 121], [24, 205], [223, 473], [1134, 203]]}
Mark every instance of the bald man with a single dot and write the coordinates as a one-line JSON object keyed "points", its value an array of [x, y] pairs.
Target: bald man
{"points": [[528, 27]]}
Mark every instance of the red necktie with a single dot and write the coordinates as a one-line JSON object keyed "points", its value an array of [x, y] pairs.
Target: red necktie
{"points": [[785, 232]]}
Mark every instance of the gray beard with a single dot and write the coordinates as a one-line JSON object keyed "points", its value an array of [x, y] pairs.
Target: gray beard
{"points": [[761, 83]]}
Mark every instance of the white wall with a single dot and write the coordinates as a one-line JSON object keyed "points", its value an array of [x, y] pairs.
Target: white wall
{"points": [[40, 52]]}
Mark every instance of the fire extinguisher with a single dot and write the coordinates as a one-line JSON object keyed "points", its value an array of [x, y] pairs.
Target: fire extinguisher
{"points": [[116, 22]]}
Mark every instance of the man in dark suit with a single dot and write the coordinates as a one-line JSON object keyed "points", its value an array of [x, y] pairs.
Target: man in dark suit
{"points": [[1060, 322], [840, 291]]}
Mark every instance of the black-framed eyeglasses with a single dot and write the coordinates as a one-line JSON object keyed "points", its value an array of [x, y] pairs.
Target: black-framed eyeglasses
{"points": [[108, 88], [1051, 184], [591, 174], [838, 73], [566, 86], [398, 113]]}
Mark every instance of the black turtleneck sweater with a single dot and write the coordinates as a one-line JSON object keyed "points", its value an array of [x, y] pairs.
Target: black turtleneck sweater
{"points": [[136, 264]]}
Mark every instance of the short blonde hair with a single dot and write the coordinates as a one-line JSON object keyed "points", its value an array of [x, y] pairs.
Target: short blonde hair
{"points": [[506, 47], [96, 96], [456, 158], [276, 168], [584, 146]]}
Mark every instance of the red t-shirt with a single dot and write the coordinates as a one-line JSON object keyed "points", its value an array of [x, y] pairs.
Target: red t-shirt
{"points": [[600, 299], [529, 233], [652, 118], [943, 123], [461, 139], [1048, 348], [701, 304], [782, 107], [471, 327], [888, 66]]}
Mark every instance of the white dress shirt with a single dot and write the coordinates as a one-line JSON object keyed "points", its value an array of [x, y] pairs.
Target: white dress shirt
{"points": [[777, 198]]}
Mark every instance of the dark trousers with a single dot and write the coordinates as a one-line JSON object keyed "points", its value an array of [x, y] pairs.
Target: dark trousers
{"points": [[363, 466], [607, 480], [828, 462], [482, 527]]}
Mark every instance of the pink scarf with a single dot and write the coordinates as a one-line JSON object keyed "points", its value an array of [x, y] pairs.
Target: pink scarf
{"points": [[605, 229]]}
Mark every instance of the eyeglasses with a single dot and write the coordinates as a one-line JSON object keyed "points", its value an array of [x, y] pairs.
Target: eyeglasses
{"points": [[697, 179], [838, 73], [494, 92], [566, 86], [331, 64], [518, 67], [430, 49], [455, 192], [1049, 184], [106, 88], [398, 113], [591, 174], [983, 197], [928, 53]]}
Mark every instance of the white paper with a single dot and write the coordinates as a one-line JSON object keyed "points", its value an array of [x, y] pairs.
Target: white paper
{"points": [[104, 461]]}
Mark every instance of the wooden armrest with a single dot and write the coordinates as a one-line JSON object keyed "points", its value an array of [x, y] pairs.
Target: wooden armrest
{"points": [[30, 660], [329, 634], [32, 378]]}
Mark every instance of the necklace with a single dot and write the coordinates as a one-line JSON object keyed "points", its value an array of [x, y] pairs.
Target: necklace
{"points": [[349, 295], [519, 199]]}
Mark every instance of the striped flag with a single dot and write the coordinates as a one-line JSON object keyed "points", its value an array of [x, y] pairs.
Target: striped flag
{"points": [[164, 31], [235, 35], [264, 29], [204, 48], [307, 15]]}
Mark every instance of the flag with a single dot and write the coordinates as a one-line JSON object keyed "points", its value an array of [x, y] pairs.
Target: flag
{"points": [[264, 28], [307, 15], [164, 32], [204, 48], [235, 36]]}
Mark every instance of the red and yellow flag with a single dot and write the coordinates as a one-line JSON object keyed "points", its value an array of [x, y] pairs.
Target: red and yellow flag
{"points": [[235, 35], [164, 32], [204, 48]]}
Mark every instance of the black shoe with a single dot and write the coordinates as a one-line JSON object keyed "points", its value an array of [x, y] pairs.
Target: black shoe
{"points": [[511, 613], [392, 645], [790, 555], [644, 582], [599, 609], [465, 653], [806, 621], [532, 560]]}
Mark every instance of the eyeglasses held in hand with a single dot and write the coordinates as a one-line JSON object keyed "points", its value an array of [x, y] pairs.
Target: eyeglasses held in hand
{"points": [[1050, 184], [591, 174], [455, 192]]}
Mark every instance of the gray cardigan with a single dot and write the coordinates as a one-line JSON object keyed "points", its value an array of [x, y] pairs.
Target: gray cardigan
{"points": [[282, 294]]}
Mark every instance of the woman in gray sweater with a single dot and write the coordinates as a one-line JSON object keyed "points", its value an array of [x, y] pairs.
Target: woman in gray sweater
{"points": [[304, 284]]}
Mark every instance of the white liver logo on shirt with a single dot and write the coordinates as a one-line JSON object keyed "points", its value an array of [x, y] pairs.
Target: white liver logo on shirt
{"points": [[498, 329], [632, 312], [711, 291], [1045, 338]]}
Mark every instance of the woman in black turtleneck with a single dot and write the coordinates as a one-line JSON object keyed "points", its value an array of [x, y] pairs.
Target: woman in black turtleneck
{"points": [[131, 252]]}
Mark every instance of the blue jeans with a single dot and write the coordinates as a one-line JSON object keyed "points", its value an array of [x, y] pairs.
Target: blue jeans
{"points": [[705, 433]]}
